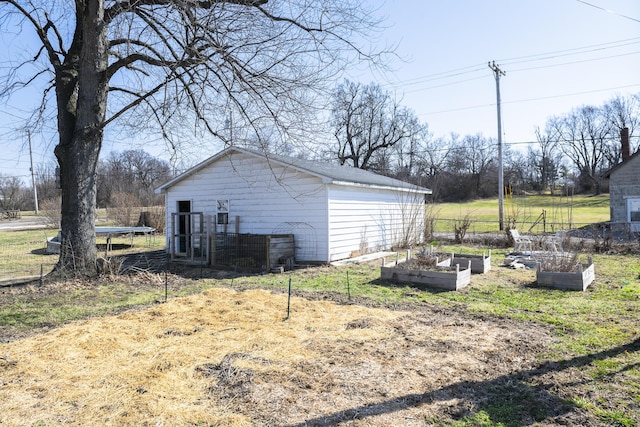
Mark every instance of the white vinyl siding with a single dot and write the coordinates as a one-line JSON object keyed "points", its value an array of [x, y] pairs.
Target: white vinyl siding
{"points": [[364, 219], [265, 197], [330, 221]]}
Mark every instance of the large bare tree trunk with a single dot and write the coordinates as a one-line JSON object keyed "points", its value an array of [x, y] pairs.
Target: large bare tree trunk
{"points": [[168, 61], [81, 92]]}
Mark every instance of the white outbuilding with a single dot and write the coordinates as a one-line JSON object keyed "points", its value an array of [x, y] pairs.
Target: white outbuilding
{"points": [[332, 212]]}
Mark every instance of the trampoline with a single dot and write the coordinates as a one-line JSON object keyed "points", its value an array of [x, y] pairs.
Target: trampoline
{"points": [[53, 243]]}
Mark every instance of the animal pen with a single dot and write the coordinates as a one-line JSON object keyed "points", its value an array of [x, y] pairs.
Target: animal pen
{"points": [[196, 239]]}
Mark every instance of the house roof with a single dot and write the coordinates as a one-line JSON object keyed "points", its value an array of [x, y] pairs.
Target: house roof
{"points": [[330, 173], [608, 173]]}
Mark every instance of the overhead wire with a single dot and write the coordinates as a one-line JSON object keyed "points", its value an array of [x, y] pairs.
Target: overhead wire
{"points": [[608, 10], [444, 75]]}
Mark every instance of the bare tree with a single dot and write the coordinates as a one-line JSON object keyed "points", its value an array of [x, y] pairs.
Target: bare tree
{"points": [[13, 195], [431, 163], [168, 62], [367, 123], [623, 112], [471, 160], [585, 137], [135, 172], [544, 160]]}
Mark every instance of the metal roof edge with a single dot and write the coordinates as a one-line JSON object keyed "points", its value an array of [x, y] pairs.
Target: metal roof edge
{"points": [[409, 189]]}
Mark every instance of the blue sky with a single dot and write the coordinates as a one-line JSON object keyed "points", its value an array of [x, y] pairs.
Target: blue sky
{"points": [[557, 55]]}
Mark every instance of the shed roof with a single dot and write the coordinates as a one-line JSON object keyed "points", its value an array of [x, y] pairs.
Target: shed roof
{"points": [[620, 165], [330, 173]]}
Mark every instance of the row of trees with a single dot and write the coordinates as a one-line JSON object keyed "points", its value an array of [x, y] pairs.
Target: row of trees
{"points": [[128, 177], [373, 131]]}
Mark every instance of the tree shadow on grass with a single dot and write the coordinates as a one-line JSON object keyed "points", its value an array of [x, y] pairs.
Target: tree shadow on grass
{"points": [[513, 400]]}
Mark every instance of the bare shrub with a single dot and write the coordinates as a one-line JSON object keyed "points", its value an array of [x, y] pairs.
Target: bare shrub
{"points": [[461, 226], [123, 209], [51, 212], [158, 217], [602, 238], [152, 216], [563, 264], [110, 265], [431, 213]]}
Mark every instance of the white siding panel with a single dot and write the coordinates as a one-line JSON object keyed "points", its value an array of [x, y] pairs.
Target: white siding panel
{"points": [[266, 198], [364, 220]]}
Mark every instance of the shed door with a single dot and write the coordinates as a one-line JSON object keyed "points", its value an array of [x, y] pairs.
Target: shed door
{"points": [[184, 226]]}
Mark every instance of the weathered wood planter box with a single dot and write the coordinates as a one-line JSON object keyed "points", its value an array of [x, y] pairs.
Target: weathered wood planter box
{"points": [[573, 281], [479, 263], [442, 277]]}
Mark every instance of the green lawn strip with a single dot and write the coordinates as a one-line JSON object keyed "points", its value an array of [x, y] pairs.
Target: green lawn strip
{"points": [[560, 210], [23, 236]]}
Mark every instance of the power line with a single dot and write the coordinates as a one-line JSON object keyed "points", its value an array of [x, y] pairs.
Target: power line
{"points": [[576, 62], [608, 10], [453, 110], [570, 52], [522, 59]]}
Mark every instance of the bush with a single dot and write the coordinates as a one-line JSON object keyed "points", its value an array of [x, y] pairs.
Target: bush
{"points": [[153, 216], [123, 208], [51, 210]]}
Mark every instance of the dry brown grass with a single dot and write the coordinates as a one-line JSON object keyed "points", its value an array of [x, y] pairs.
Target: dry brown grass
{"points": [[229, 358]]}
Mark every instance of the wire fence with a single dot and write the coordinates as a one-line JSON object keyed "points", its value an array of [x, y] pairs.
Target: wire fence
{"points": [[25, 260], [444, 225], [31, 259], [622, 232]]}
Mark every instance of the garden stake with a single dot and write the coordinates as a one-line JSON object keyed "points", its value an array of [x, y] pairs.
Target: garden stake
{"points": [[41, 274], [348, 288], [166, 280], [289, 300]]}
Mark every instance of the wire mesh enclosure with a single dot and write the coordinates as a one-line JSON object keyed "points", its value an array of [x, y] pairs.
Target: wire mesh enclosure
{"points": [[255, 252]]}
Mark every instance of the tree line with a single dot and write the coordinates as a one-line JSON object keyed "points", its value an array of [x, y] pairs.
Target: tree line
{"points": [[126, 178], [373, 131]]}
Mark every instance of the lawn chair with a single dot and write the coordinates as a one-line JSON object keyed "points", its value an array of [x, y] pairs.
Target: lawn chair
{"points": [[520, 243], [554, 243]]}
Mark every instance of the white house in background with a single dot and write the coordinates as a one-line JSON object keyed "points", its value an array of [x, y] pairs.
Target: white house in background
{"points": [[334, 212]]}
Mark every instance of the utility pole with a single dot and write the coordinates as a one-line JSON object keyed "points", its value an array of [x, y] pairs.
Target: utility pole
{"points": [[33, 176], [498, 72]]}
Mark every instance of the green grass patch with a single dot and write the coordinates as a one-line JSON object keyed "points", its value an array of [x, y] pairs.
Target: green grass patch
{"points": [[560, 212]]}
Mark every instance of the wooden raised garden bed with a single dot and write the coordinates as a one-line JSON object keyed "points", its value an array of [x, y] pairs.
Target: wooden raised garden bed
{"points": [[439, 276], [573, 281], [479, 263]]}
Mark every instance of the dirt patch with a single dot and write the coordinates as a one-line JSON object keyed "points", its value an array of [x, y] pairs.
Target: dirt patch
{"points": [[227, 357]]}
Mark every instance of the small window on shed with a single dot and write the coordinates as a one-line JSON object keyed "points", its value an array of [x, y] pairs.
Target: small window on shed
{"points": [[223, 211], [223, 205]]}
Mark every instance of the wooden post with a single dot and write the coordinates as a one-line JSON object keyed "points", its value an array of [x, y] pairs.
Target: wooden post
{"points": [[213, 248], [268, 249], [172, 237], [207, 234]]}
